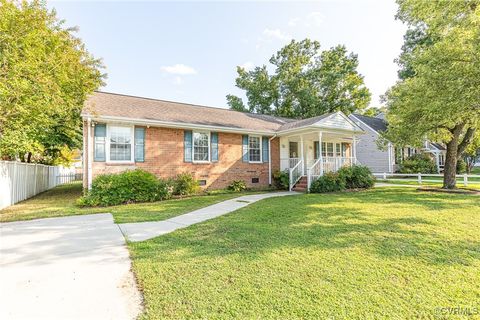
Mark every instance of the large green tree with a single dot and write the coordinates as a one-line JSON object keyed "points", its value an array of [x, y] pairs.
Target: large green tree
{"points": [[45, 76], [306, 82], [438, 96]]}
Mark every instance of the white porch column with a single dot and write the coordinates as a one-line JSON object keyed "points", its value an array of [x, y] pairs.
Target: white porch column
{"points": [[437, 161], [320, 151], [89, 153], [301, 155], [354, 149], [390, 158]]}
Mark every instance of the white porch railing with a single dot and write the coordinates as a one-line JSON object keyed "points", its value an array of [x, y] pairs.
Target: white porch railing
{"points": [[295, 174], [327, 164], [332, 164], [315, 171], [289, 162]]}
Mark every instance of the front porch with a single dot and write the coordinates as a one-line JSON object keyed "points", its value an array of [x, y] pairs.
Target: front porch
{"points": [[309, 155]]}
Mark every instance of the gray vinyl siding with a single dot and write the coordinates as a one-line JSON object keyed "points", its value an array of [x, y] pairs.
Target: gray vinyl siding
{"points": [[368, 153]]}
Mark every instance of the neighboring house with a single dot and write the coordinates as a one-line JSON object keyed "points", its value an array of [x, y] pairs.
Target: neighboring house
{"points": [[216, 145], [388, 158], [368, 152]]}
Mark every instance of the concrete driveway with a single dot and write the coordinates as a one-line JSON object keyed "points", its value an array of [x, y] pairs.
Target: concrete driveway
{"points": [[66, 268]]}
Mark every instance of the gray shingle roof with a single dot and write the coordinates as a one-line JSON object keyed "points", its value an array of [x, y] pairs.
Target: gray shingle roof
{"points": [[118, 105], [104, 104], [438, 146], [377, 124]]}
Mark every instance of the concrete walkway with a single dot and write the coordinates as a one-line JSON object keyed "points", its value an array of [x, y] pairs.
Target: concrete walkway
{"points": [[147, 230], [66, 268]]}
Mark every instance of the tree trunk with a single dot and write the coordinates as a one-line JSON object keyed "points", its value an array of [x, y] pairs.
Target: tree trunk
{"points": [[29, 157], [450, 168], [451, 158], [455, 150]]}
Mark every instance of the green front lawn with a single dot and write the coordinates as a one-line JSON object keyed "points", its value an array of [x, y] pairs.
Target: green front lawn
{"points": [[60, 201], [476, 170], [391, 253]]}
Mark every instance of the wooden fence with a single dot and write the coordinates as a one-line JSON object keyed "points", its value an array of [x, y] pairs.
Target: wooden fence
{"points": [[20, 180]]}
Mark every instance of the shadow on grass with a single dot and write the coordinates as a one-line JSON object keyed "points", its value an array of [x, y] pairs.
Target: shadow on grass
{"points": [[390, 223]]}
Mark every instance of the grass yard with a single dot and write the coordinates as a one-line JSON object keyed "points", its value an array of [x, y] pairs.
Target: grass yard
{"points": [[391, 253], [60, 201], [476, 170]]}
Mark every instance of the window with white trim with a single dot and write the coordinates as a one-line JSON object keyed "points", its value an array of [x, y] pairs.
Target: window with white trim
{"points": [[201, 147], [327, 149], [254, 149], [120, 140]]}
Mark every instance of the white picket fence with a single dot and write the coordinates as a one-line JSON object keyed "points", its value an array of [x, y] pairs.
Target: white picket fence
{"points": [[423, 177], [20, 180]]}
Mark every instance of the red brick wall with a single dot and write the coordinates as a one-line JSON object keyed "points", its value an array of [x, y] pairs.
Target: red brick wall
{"points": [[164, 157]]}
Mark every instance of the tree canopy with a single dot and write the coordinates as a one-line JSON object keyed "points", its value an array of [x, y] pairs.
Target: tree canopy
{"points": [[306, 82], [45, 76], [437, 96]]}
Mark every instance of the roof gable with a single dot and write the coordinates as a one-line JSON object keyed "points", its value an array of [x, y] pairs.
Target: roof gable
{"points": [[340, 121]]}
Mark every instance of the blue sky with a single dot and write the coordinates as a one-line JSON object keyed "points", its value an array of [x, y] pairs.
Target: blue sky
{"points": [[188, 51]]}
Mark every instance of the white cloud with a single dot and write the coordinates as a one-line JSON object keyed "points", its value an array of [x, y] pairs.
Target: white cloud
{"points": [[276, 33], [293, 22], [314, 19], [248, 65], [179, 69]]}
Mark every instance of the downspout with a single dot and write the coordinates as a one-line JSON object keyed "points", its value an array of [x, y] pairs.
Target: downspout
{"points": [[89, 154], [270, 160]]}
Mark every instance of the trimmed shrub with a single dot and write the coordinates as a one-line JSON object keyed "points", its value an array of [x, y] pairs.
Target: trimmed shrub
{"points": [[126, 187], [237, 186], [418, 163], [461, 166], [357, 177], [185, 184], [329, 182], [280, 180]]}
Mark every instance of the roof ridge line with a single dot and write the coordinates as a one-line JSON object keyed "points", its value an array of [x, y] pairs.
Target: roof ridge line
{"points": [[192, 104]]}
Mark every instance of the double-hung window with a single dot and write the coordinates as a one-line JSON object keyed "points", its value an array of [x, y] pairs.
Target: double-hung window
{"points": [[201, 146], [327, 149], [254, 149], [120, 139]]}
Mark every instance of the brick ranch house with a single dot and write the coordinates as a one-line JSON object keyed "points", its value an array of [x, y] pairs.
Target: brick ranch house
{"points": [[216, 145]]}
